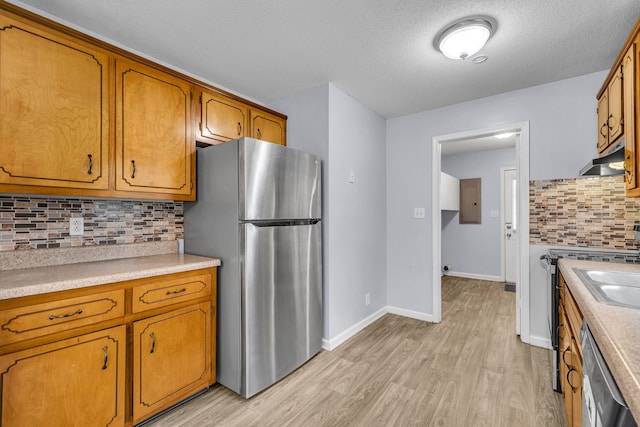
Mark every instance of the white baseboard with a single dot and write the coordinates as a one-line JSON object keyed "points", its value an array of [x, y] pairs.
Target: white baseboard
{"points": [[540, 341], [475, 276], [410, 313], [344, 336], [333, 343]]}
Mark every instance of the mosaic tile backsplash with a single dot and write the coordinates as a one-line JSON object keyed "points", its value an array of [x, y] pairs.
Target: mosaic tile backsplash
{"points": [[42, 223], [583, 212]]}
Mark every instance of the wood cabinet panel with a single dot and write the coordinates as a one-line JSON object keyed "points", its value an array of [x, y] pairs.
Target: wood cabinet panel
{"points": [[167, 292], [221, 118], [603, 114], [154, 146], [268, 127], [75, 382], [33, 321], [615, 122], [54, 109], [631, 89], [610, 113], [570, 355], [170, 358]]}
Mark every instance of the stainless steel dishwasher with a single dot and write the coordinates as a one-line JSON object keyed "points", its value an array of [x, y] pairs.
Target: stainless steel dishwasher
{"points": [[602, 402]]}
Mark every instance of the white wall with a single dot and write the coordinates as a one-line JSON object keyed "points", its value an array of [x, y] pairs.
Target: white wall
{"points": [[348, 137], [475, 249], [562, 138]]}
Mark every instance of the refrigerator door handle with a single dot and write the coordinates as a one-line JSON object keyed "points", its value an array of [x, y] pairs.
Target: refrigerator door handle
{"points": [[282, 223]]}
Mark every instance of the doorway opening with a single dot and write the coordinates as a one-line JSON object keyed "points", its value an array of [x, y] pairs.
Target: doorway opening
{"points": [[521, 218]]}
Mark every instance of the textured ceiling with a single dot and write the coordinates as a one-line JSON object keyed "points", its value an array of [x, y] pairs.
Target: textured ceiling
{"points": [[378, 51]]}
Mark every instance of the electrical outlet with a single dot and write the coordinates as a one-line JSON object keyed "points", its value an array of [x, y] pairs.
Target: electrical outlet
{"points": [[76, 226], [419, 213], [367, 299]]}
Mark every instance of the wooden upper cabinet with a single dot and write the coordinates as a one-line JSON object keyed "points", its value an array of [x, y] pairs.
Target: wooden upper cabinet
{"points": [[268, 127], [221, 118], [610, 113], [603, 114], [155, 150], [54, 109], [631, 107], [615, 122]]}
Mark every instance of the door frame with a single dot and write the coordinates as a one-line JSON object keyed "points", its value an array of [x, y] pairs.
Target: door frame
{"points": [[503, 208], [522, 166]]}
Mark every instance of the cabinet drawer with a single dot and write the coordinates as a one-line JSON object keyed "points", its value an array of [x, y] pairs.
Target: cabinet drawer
{"points": [[33, 321], [170, 291]]}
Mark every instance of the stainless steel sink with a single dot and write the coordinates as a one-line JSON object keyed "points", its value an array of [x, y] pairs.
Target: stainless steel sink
{"points": [[612, 287]]}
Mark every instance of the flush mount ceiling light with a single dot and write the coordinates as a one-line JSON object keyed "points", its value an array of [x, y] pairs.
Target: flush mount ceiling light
{"points": [[464, 38]]}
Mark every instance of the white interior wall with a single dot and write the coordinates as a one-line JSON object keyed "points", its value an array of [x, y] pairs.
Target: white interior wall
{"points": [[474, 250], [349, 138], [562, 138]]}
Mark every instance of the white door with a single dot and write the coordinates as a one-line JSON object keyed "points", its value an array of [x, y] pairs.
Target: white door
{"points": [[510, 225]]}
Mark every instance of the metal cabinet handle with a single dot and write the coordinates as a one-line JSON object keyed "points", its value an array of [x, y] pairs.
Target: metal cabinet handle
{"points": [[90, 164], [565, 362], [62, 316], [105, 357], [239, 128], [571, 369], [153, 342], [133, 168], [179, 291], [602, 127], [609, 125], [259, 134]]}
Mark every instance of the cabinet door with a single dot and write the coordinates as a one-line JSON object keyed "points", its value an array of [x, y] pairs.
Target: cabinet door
{"points": [[74, 382], [154, 147], [221, 119], [629, 95], [575, 383], [603, 129], [171, 358], [615, 117], [54, 110], [268, 127], [565, 365]]}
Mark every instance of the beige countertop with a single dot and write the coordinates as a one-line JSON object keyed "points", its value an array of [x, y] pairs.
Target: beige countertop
{"points": [[40, 280], [615, 329]]}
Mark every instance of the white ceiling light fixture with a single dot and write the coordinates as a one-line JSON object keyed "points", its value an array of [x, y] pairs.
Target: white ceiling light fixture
{"points": [[464, 38]]}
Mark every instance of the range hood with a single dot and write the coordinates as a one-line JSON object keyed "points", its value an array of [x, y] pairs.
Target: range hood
{"points": [[609, 165]]}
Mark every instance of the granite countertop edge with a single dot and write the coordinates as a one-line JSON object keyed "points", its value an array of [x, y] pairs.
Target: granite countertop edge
{"points": [[41, 280], [615, 329]]}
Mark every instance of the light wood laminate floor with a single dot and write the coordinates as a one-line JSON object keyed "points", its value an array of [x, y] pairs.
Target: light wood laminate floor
{"points": [[469, 370]]}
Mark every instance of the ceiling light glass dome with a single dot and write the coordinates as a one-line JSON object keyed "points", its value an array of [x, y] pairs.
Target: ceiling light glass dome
{"points": [[464, 38]]}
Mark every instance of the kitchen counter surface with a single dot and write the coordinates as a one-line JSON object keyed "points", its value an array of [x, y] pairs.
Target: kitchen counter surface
{"points": [[40, 280], [615, 329]]}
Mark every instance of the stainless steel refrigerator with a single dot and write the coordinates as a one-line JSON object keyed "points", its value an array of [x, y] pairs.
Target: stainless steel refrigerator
{"points": [[258, 209]]}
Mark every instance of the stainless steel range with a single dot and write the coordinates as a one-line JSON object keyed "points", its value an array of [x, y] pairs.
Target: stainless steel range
{"points": [[550, 262]]}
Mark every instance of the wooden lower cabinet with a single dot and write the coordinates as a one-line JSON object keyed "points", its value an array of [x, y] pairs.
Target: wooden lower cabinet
{"points": [[73, 382], [570, 356], [171, 358], [109, 355]]}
